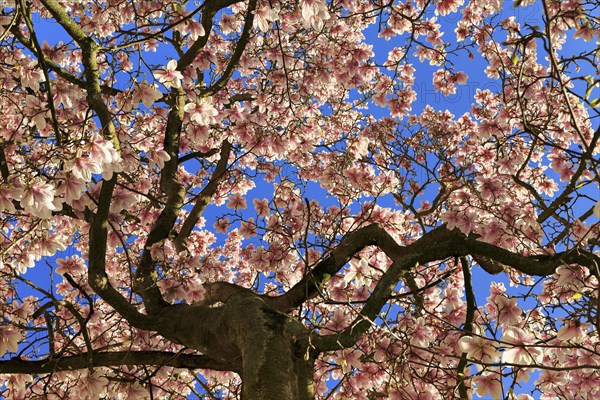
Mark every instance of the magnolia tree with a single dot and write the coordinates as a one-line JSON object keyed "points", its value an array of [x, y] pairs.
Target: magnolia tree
{"points": [[244, 199]]}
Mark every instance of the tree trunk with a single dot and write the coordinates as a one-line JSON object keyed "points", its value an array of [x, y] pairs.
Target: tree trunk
{"points": [[275, 361], [268, 348]]}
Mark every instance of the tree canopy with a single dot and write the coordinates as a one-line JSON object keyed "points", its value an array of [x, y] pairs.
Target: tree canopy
{"points": [[245, 199]]}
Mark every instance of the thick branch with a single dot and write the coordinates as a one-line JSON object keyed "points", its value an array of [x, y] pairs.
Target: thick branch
{"points": [[198, 154], [60, 15], [97, 277], [434, 246], [209, 12], [535, 265], [220, 292], [237, 53], [203, 198], [113, 359], [468, 326], [145, 282], [369, 235], [572, 185], [4, 172]]}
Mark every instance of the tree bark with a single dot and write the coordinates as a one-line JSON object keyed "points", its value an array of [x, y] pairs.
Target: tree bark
{"points": [[269, 349]]}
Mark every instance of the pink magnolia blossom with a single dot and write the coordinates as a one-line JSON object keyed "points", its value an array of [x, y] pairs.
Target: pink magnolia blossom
{"points": [[488, 383], [465, 222], [586, 32], [73, 265], [31, 77], [172, 290], [522, 353], [38, 199], [146, 93], [221, 225], [248, 228], [237, 202], [479, 348], [136, 391], [264, 16], [73, 188], [194, 28], [203, 112], [102, 151], [262, 207], [573, 331], [158, 157], [92, 386], [314, 14], [169, 76], [7, 195], [9, 340], [509, 312], [37, 111]]}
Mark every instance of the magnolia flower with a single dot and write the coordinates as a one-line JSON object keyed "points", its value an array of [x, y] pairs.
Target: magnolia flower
{"points": [[70, 265], [73, 188], [147, 94], [31, 77], [586, 32], [194, 28], [83, 167], [37, 199], [478, 348], [172, 290], [237, 202], [523, 353], [202, 113], [92, 386], [36, 109], [263, 18], [488, 383], [136, 392], [262, 207], [248, 228], [159, 157], [573, 331], [314, 13], [103, 152], [7, 195], [169, 76], [9, 340], [222, 225]]}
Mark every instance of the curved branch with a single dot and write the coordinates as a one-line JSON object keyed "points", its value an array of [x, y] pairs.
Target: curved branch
{"points": [[207, 15], [237, 53], [369, 235], [97, 277], [204, 197], [468, 326], [112, 359], [562, 199], [198, 154], [145, 281], [436, 245], [535, 265]]}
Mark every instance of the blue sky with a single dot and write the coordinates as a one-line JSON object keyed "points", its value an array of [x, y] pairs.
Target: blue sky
{"points": [[457, 104]]}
